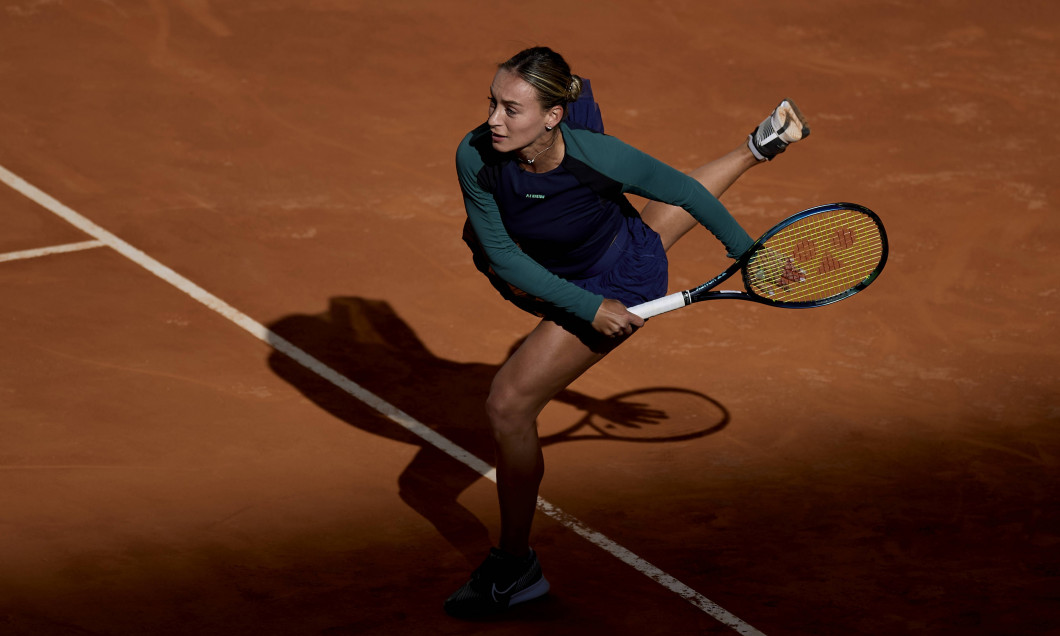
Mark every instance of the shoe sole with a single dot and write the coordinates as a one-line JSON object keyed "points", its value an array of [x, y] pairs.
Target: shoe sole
{"points": [[538, 589], [799, 120]]}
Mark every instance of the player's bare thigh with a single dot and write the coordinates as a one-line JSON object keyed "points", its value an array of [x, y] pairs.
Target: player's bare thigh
{"points": [[544, 364]]}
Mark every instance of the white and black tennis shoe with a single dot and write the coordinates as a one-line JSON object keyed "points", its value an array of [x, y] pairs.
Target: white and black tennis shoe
{"points": [[784, 126], [501, 581]]}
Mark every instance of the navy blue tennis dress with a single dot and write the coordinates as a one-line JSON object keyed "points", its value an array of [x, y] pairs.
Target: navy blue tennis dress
{"points": [[558, 243]]}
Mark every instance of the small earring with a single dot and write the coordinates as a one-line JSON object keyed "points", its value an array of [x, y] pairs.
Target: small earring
{"points": [[548, 128]]}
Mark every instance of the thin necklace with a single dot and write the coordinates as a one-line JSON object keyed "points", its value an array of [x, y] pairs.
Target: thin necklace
{"points": [[530, 162]]}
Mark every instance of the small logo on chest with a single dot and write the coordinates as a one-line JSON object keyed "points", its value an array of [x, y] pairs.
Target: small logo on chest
{"points": [[535, 196]]}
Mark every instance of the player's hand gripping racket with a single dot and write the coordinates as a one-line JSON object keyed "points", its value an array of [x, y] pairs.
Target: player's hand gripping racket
{"points": [[811, 259]]}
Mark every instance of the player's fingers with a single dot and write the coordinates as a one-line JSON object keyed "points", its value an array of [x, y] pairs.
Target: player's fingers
{"points": [[621, 328]]}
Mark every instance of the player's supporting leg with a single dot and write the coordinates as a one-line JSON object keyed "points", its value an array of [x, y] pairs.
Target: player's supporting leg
{"points": [[547, 362]]}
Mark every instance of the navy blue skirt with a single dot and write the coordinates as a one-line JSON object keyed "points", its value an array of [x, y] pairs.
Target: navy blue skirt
{"points": [[634, 268]]}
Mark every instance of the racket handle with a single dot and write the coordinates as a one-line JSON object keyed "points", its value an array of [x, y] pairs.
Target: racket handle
{"points": [[660, 305]]}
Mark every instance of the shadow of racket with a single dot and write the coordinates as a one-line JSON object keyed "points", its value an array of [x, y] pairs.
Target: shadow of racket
{"points": [[649, 415]]}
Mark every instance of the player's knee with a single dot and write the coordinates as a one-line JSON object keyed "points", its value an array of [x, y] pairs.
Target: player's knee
{"points": [[506, 411], [500, 406]]}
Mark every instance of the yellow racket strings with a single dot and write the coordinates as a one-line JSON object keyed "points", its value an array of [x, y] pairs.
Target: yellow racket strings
{"points": [[818, 257]]}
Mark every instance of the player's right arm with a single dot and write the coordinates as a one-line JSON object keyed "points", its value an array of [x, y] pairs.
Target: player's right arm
{"points": [[506, 258]]}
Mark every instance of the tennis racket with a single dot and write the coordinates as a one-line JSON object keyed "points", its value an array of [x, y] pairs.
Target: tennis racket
{"points": [[811, 259]]}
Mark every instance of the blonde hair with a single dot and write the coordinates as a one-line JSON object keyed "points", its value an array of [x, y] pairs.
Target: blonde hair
{"points": [[548, 73]]}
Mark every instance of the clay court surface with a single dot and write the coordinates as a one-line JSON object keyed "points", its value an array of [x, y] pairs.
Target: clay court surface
{"points": [[886, 465]]}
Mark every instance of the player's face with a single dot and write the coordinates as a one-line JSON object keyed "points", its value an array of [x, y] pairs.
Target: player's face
{"points": [[516, 117]]}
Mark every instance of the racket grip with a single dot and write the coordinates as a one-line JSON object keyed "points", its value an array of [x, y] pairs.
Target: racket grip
{"points": [[660, 305]]}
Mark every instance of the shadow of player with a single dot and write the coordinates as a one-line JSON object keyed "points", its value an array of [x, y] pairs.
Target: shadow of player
{"points": [[368, 343]]}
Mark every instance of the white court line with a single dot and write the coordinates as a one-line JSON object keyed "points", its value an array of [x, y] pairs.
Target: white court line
{"points": [[385, 408], [55, 249]]}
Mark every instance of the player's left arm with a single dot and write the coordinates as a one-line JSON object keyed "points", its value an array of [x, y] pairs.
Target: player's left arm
{"points": [[646, 176]]}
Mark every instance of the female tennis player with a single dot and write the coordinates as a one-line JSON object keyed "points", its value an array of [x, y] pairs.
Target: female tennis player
{"points": [[549, 224]]}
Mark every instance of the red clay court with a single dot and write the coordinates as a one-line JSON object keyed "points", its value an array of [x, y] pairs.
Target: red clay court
{"points": [[244, 347]]}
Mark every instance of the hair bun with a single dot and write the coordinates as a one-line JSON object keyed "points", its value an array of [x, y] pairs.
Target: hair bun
{"points": [[574, 91], [549, 75]]}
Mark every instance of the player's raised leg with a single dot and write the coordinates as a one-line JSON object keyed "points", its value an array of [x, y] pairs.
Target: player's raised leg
{"points": [[784, 126], [672, 222]]}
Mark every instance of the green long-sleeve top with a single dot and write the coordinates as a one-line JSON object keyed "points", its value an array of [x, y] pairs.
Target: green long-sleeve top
{"points": [[480, 171]]}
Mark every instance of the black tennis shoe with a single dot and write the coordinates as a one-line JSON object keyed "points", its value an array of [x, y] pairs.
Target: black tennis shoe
{"points": [[784, 126], [501, 581]]}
